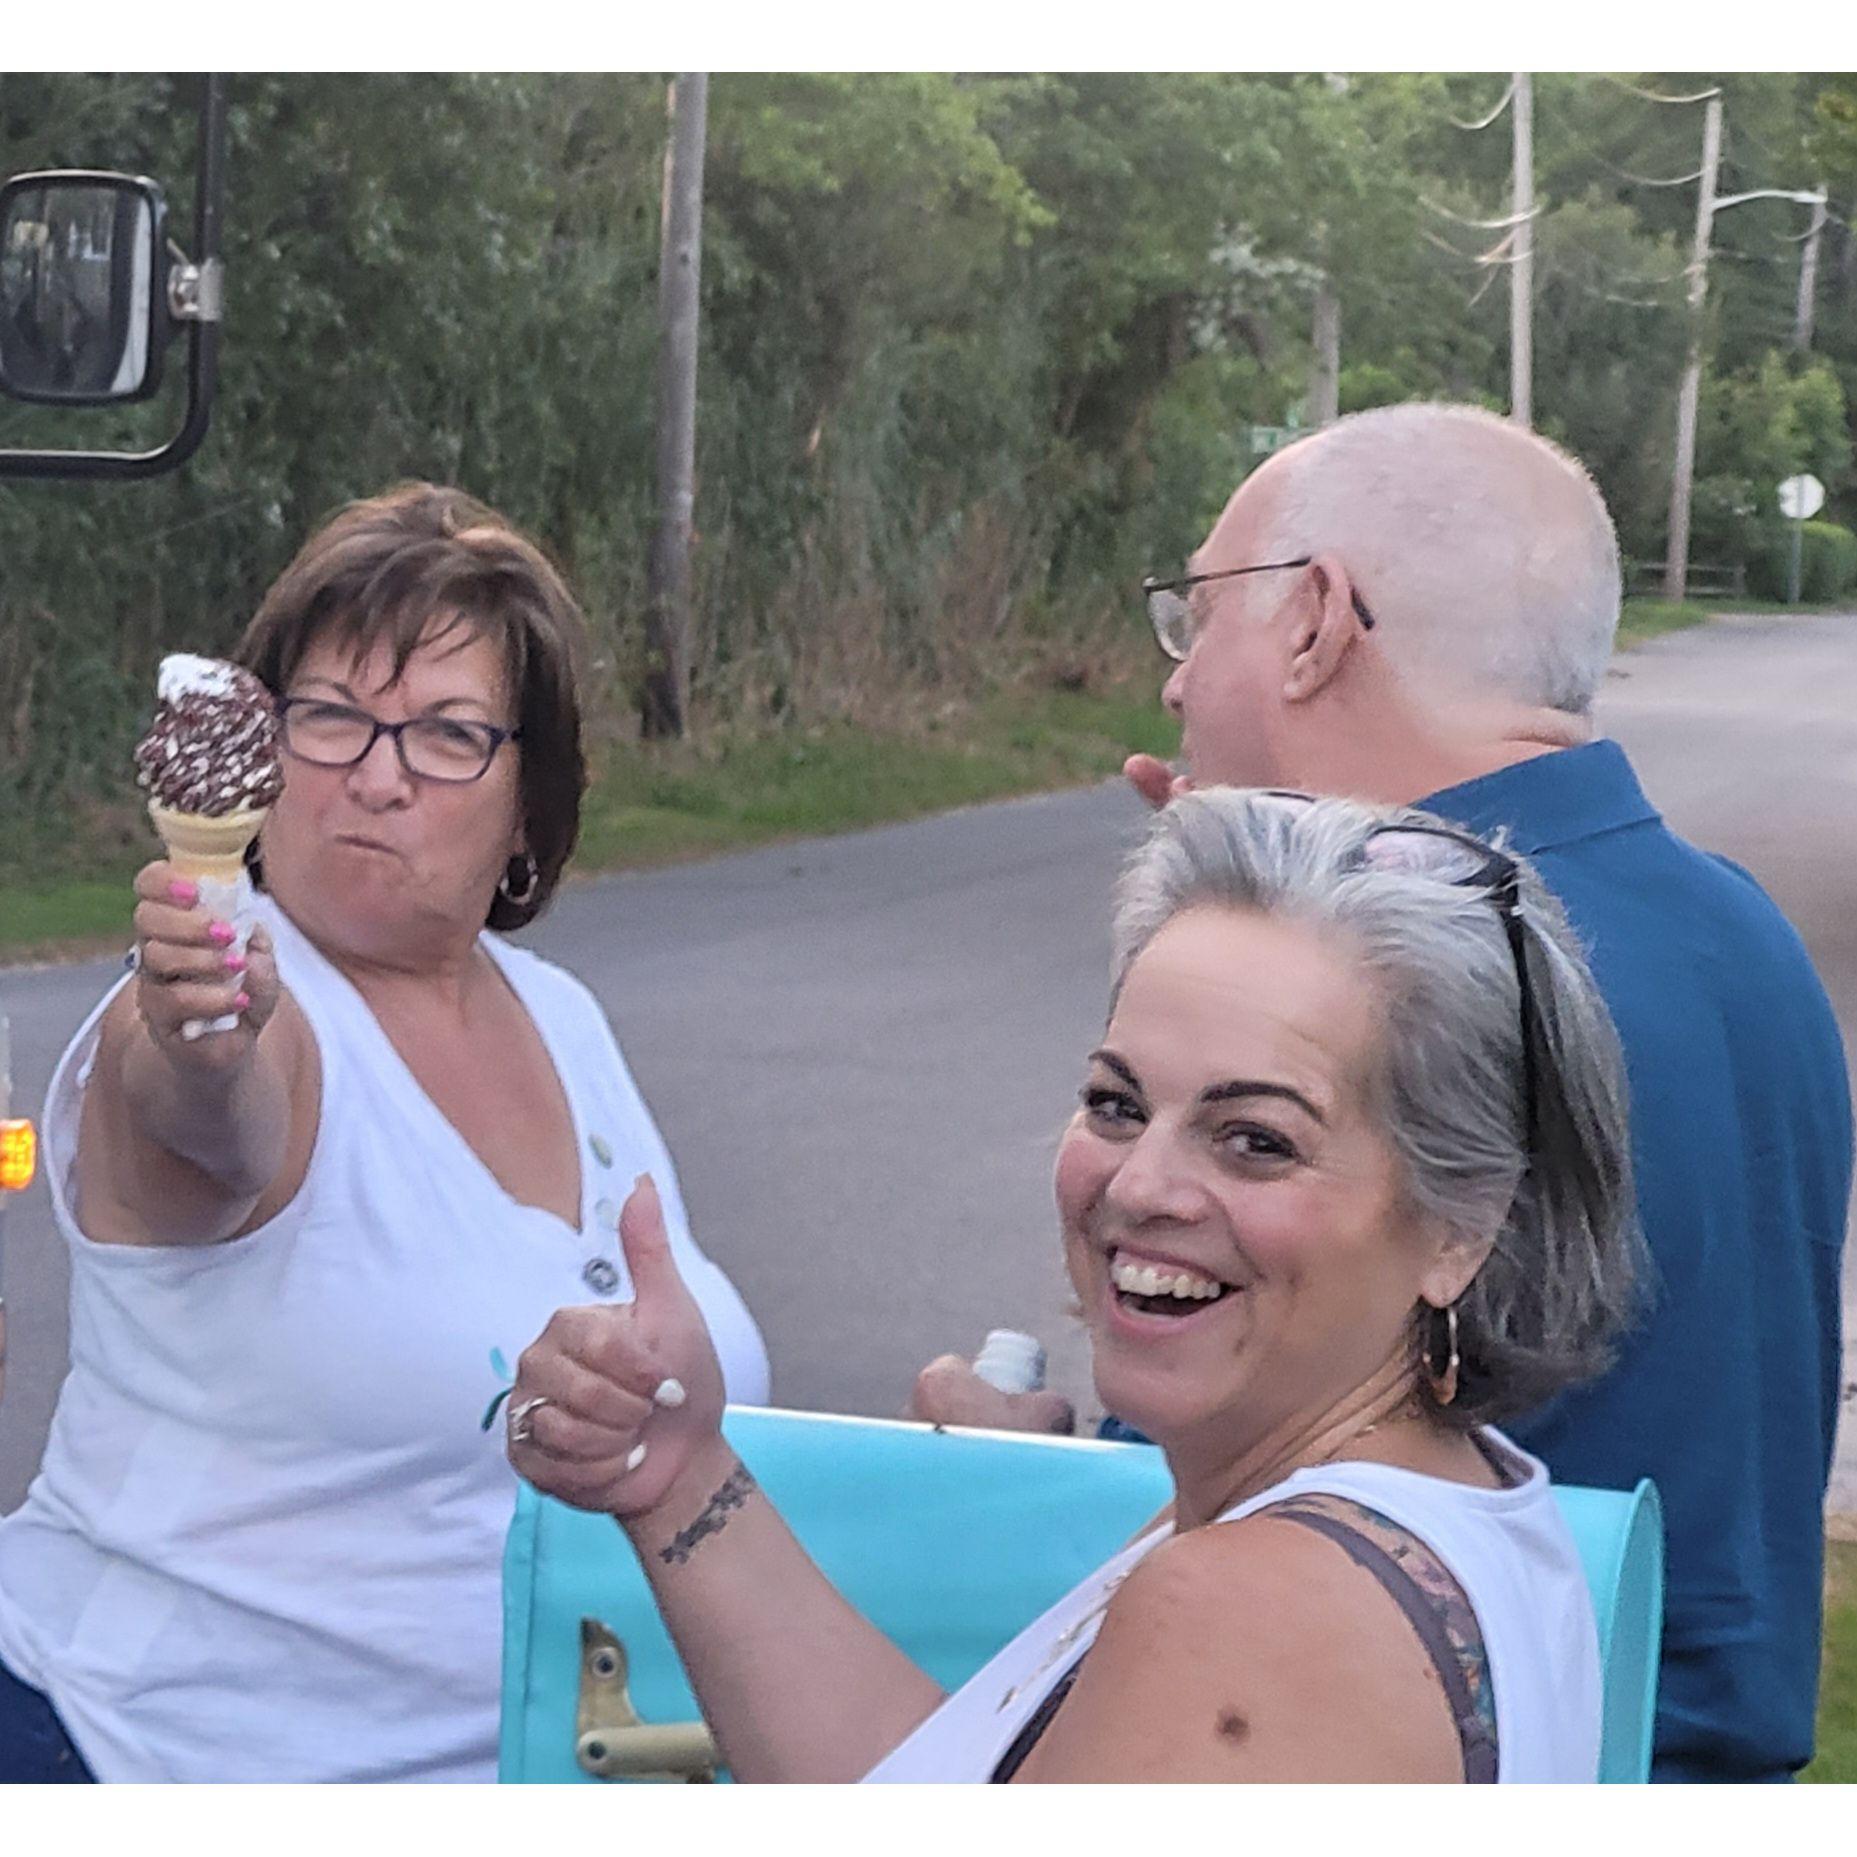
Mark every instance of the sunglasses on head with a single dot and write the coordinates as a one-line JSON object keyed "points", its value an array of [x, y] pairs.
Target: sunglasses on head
{"points": [[1427, 850]]}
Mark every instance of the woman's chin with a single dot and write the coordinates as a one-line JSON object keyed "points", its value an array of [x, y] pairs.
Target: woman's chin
{"points": [[1143, 1395]]}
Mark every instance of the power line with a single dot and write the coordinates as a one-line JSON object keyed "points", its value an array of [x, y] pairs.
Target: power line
{"points": [[1471, 128], [1480, 225], [1610, 296], [1477, 295], [1645, 180], [1652, 96], [1443, 244], [1494, 256]]}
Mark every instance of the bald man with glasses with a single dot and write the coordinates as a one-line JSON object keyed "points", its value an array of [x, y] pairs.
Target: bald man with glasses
{"points": [[1416, 606]]}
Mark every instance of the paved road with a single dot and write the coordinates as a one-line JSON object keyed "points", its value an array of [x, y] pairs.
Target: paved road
{"points": [[861, 1049]]}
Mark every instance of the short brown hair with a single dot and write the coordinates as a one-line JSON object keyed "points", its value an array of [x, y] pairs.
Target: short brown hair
{"points": [[382, 569]]}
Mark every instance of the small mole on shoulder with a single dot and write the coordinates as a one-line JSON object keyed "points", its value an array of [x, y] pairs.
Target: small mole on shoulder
{"points": [[1232, 1726]]}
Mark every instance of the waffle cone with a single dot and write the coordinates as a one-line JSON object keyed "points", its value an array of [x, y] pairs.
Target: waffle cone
{"points": [[199, 846]]}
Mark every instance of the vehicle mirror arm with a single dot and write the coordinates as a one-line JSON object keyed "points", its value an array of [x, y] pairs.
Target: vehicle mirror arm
{"points": [[196, 298]]}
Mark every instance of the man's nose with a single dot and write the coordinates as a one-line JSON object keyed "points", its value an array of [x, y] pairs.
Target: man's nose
{"points": [[1172, 691]]}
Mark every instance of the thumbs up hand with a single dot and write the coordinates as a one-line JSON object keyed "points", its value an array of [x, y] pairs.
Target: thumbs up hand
{"points": [[611, 1402]]}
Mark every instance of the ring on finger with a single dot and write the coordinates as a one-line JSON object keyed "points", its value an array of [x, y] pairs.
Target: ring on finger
{"points": [[520, 1429]]}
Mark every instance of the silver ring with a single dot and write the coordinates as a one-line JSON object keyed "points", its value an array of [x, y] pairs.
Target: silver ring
{"points": [[520, 1430], [133, 959]]}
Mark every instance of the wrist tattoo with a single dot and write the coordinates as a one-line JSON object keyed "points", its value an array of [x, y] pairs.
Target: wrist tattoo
{"points": [[734, 1490]]}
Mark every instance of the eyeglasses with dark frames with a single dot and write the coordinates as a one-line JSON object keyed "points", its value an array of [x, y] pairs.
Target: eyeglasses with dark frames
{"points": [[454, 749], [1171, 615]]}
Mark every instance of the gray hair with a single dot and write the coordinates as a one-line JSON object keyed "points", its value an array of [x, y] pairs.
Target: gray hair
{"points": [[1484, 549], [1558, 1287]]}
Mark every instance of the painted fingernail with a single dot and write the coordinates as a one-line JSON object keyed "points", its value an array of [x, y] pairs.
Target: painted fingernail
{"points": [[233, 961], [222, 932], [243, 1000], [670, 1393], [183, 892], [637, 1457]]}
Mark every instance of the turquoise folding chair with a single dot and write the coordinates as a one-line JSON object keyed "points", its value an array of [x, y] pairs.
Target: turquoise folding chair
{"points": [[950, 1542]]}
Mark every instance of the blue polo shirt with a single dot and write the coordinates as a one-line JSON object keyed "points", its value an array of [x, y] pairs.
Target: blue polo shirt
{"points": [[1741, 1132]]}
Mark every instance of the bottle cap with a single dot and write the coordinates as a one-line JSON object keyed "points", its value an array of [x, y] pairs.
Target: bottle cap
{"points": [[1011, 1361]]}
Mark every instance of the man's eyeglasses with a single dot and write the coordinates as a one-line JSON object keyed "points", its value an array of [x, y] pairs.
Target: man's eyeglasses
{"points": [[449, 748], [1171, 614]]}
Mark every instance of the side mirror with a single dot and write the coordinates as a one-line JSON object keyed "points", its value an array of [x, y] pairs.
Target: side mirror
{"points": [[84, 314]]}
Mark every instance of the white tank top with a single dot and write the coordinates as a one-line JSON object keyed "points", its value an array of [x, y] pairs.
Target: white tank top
{"points": [[1508, 1549], [265, 1541]]}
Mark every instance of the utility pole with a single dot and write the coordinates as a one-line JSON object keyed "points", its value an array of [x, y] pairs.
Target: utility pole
{"points": [[1522, 264], [665, 698], [1708, 204], [1676, 557], [1325, 368], [1808, 275]]}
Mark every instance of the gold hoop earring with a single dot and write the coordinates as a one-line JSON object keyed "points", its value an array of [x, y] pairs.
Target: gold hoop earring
{"points": [[1442, 1381]]}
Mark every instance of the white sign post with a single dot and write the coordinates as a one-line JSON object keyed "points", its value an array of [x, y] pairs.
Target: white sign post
{"points": [[1801, 498]]}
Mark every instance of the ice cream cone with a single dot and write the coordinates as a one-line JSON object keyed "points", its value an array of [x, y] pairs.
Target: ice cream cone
{"points": [[199, 846], [212, 852]]}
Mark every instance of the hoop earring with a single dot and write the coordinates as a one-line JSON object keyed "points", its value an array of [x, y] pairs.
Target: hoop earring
{"points": [[522, 877], [1442, 1381]]}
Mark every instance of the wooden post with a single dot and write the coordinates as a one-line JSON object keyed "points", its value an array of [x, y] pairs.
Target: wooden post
{"points": [[1676, 557], [1522, 266], [665, 698], [1808, 276], [1325, 367]]}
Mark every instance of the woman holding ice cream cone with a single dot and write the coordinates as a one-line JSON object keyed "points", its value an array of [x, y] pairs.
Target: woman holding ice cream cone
{"points": [[320, 1184]]}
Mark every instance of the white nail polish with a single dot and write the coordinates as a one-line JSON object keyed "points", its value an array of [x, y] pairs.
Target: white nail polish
{"points": [[670, 1394], [637, 1457]]}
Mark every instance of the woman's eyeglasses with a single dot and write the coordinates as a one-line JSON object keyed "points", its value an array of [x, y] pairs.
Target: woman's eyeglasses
{"points": [[452, 748]]}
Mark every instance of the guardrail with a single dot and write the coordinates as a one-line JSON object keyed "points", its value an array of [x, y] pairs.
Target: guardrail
{"points": [[1710, 579]]}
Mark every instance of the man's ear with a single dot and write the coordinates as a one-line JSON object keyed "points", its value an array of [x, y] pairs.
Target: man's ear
{"points": [[1327, 627]]}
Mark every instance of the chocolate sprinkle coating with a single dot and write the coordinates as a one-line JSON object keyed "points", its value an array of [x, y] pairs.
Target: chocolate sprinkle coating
{"points": [[213, 754]]}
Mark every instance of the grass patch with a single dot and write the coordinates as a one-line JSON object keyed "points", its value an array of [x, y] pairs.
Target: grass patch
{"points": [[1837, 1695], [1781, 609], [44, 920], [649, 805], [1642, 619], [728, 788]]}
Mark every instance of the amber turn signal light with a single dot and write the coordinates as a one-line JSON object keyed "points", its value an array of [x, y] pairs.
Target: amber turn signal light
{"points": [[19, 1155]]}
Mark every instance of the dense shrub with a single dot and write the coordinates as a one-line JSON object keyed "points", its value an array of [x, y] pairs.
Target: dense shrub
{"points": [[1828, 563]]}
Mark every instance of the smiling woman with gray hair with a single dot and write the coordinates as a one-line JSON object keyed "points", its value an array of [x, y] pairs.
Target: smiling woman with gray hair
{"points": [[1501, 1084], [1348, 1180]]}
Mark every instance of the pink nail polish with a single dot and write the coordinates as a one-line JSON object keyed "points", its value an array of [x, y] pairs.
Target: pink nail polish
{"points": [[184, 893], [243, 1000], [234, 962], [222, 932]]}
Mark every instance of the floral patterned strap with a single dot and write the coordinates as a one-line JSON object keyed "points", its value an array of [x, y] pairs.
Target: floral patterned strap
{"points": [[1435, 1605], [1417, 1581]]}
